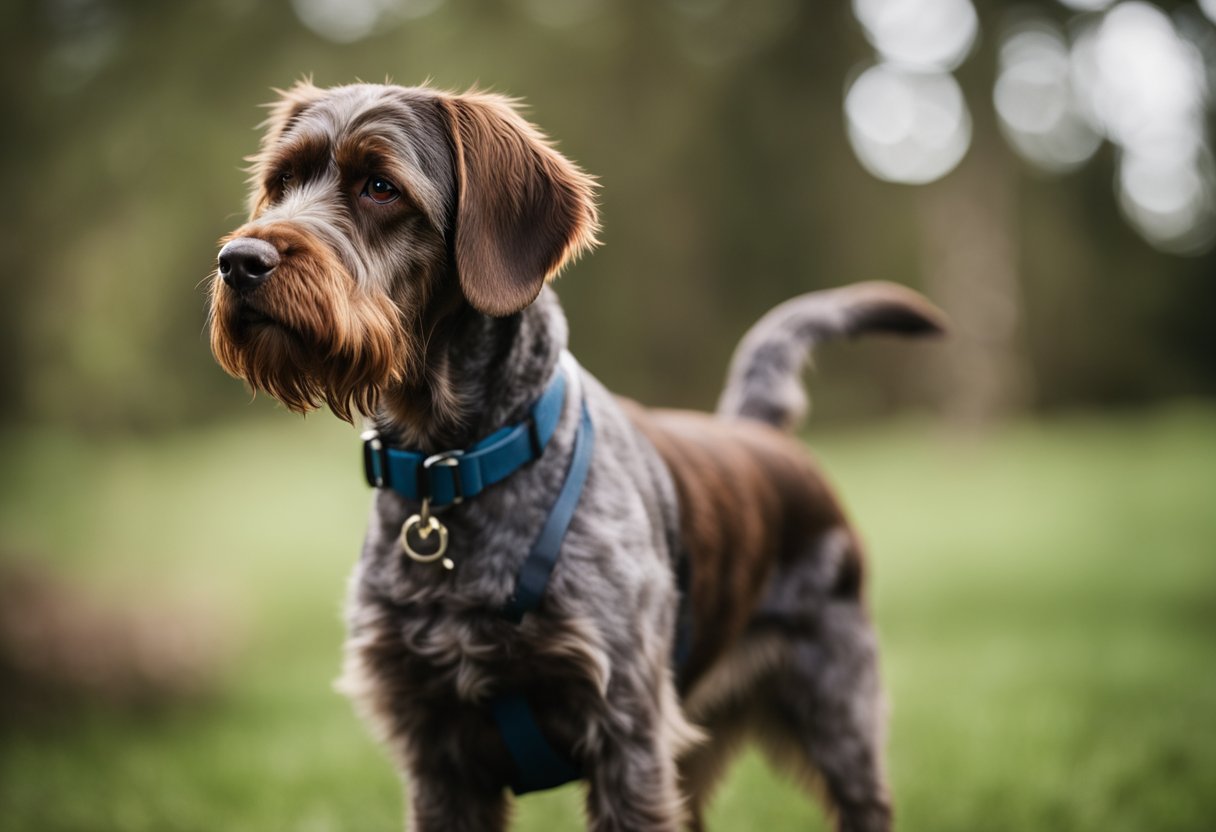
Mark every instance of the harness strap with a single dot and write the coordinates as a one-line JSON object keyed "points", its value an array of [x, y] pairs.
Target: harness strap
{"points": [[538, 566], [537, 764]]}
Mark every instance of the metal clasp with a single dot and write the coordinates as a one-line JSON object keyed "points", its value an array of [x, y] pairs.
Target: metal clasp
{"points": [[448, 459], [417, 530]]}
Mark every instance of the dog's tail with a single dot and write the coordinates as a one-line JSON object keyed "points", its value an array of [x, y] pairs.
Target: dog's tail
{"points": [[765, 378]]}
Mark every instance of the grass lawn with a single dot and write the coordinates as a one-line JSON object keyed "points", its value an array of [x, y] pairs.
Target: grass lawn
{"points": [[1046, 596]]}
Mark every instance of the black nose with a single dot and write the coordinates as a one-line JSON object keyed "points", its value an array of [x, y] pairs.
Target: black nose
{"points": [[246, 262]]}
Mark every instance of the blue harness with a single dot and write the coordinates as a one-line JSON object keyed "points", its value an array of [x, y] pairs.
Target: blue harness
{"points": [[453, 476]]}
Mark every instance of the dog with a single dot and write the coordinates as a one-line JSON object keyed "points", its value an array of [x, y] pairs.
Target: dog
{"points": [[703, 585]]}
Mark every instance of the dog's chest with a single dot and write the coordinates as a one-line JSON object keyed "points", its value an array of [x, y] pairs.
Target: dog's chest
{"points": [[420, 632], [427, 632]]}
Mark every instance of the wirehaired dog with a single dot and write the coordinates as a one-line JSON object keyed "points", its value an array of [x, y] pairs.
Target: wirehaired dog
{"points": [[703, 585]]}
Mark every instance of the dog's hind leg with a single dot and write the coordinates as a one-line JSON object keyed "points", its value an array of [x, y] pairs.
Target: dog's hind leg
{"points": [[827, 719], [703, 766], [724, 704], [821, 712]]}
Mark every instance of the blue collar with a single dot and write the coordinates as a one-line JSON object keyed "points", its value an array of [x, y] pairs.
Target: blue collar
{"points": [[449, 477]]}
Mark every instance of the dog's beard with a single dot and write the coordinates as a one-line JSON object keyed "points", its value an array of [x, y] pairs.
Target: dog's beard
{"points": [[309, 336]]}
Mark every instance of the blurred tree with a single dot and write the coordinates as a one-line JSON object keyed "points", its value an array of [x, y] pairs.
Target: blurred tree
{"points": [[1125, 72], [728, 184]]}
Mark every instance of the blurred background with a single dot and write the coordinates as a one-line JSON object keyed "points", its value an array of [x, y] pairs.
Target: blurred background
{"points": [[1039, 491]]}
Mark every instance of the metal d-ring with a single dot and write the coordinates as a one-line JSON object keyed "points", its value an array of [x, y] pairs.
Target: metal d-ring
{"points": [[424, 524]]}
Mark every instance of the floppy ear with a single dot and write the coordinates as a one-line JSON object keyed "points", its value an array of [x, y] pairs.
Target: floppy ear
{"points": [[523, 210], [283, 112]]}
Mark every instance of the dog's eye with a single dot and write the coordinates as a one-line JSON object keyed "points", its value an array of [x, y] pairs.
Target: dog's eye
{"points": [[380, 190], [283, 178]]}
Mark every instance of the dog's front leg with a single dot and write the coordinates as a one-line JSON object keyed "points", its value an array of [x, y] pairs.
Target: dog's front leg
{"points": [[633, 783], [446, 802]]}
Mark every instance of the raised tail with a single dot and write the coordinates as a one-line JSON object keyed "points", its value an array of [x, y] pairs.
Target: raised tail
{"points": [[765, 378]]}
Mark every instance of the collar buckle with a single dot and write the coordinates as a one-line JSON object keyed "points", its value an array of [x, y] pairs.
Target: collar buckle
{"points": [[448, 459]]}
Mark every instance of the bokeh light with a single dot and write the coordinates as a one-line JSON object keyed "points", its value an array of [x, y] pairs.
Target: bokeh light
{"points": [[920, 33], [1169, 199], [1138, 76], [1131, 75], [1034, 98], [1145, 87], [1086, 5], [907, 126], [907, 120], [347, 21]]}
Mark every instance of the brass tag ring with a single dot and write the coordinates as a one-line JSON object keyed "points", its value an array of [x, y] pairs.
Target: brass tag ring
{"points": [[424, 529]]}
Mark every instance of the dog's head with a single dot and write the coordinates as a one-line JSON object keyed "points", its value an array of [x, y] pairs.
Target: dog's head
{"points": [[376, 213]]}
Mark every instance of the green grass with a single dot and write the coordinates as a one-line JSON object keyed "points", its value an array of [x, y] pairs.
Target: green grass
{"points": [[1046, 596]]}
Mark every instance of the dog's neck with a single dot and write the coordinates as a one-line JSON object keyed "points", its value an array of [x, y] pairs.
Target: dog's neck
{"points": [[480, 374]]}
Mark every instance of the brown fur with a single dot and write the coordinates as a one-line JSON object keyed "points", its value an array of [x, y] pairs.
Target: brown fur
{"points": [[524, 209], [315, 337], [750, 497]]}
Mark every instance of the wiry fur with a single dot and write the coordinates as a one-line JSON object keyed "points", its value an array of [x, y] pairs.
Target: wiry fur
{"points": [[341, 345], [429, 315]]}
